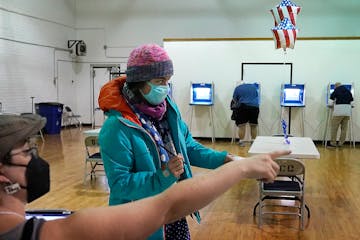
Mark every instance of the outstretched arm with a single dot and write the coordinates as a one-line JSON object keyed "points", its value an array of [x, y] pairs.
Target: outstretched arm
{"points": [[197, 192], [139, 219]]}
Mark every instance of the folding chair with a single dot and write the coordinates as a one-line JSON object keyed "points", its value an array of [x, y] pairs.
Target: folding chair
{"points": [[289, 185], [93, 158], [69, 118]]}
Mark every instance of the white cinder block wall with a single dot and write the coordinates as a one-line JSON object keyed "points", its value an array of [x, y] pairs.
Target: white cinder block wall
{"points": [[34, 60], [33, 39]]}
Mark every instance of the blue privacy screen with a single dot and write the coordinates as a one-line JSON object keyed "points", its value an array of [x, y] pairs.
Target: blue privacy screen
{"points": [[202, 94], [292, 95]]}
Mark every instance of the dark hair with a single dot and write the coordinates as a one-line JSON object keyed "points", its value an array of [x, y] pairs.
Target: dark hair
{"points": [[6, 159], [135, 87]]}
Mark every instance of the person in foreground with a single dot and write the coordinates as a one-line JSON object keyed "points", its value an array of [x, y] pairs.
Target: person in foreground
{"points": [[24, 177], [145, 144]]}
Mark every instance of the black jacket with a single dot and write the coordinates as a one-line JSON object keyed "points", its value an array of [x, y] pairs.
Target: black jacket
{"points": [[341, 95]]}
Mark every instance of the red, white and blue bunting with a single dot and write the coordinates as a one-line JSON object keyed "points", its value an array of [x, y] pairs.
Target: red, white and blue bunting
{"points": [[286, 9], [285, 31], [285, 34]]}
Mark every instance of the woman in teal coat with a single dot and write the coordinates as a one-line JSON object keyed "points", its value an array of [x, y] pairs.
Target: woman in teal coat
{"points": [[145, 145]]}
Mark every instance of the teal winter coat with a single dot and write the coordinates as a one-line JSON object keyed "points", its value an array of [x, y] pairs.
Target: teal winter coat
{"points": [[132, 162]]}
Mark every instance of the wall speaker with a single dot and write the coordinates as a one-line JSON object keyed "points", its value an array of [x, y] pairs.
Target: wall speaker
{"points": [[78, 47]]}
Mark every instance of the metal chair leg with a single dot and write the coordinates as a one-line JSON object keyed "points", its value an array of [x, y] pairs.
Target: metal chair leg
{"points": [[42, 136]]}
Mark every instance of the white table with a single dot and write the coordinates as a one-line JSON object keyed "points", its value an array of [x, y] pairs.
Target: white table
{"points": [[301, 147], [92, 132]]}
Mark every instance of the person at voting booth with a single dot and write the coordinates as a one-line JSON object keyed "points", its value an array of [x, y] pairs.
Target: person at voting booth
{"points": [[25, 176], [145, 144], [245, 107], [342, 98]]}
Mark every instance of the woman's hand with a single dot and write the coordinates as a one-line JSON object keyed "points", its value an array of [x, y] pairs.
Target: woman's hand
{"points": [[176, 165]]}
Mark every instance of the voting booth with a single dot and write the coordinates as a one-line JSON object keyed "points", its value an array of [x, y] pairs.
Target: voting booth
{"points": [[202, 94], [293, 96], [258, 88], [330, 108], [330, 90]]}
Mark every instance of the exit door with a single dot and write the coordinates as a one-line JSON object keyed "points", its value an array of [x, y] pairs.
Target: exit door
{"points": [[101, 74]]}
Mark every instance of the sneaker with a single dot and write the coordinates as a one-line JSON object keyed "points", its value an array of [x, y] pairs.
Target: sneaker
{"points": [[330, 146], [241, 144]]}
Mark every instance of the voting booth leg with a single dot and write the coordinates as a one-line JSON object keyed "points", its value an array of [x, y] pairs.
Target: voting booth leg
{"points": [[212, 125], [233, 139], [303, 121], [327, 124], [191, 116], [352, 136], [211, 121]]}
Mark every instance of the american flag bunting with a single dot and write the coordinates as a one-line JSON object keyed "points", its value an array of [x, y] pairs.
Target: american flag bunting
{"points": [[285, 34], [286, 9]]}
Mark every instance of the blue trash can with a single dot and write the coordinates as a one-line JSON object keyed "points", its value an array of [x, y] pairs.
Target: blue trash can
{"points": [[52, 111]]}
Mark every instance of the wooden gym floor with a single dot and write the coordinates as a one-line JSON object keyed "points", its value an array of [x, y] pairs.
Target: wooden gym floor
{"points": [[332, 193]]}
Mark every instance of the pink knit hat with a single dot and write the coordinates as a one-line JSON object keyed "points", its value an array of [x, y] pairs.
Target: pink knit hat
{"points": [[147, 62]]}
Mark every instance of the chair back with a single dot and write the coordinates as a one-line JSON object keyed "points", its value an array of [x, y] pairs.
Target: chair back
{"points": [[93, 157], [289, 186], [90, 143], [68, 109], [70, 118], [290, 167], [68, 112]]}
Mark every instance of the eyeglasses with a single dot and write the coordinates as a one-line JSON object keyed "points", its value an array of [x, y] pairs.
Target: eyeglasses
{"points": [[31, 151], [26, 152]]}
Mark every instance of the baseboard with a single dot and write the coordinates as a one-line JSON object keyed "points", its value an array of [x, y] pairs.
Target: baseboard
{"points": [[226, 139]]}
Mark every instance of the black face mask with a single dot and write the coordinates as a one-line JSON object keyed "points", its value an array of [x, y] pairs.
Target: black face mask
{"points": [[37, 178]]}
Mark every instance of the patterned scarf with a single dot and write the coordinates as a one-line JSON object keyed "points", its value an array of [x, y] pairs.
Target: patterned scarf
{"points": [[151, 122], [147, 114], [178, 230]]}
